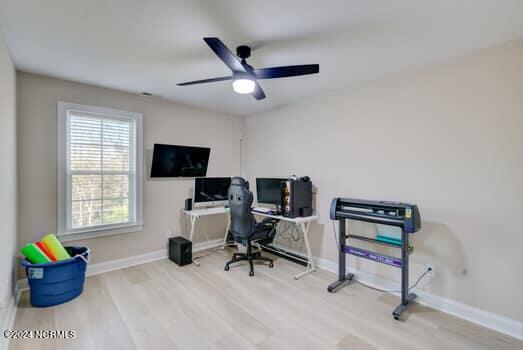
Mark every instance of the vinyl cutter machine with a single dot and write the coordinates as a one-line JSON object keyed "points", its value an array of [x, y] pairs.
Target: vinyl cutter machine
{"points": [[405, 216]]}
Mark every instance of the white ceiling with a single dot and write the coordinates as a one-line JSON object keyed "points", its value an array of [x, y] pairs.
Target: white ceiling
{"points": [[150, 45]]}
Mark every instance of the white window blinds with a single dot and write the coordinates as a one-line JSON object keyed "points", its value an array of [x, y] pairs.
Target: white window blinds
{"points": [[100, 170]]}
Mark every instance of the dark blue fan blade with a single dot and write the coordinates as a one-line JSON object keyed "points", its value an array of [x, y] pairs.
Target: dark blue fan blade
{"points": [[286, 71], [225, 54], [258, 92], [203, 81]]}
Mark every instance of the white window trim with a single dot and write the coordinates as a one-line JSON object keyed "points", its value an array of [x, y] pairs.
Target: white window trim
{"points": [[62, 185]]}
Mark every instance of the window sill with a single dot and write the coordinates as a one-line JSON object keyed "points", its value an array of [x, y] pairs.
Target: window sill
{"points": [[97, 233]]}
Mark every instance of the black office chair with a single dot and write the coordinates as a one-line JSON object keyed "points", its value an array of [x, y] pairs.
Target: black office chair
{"points": [[244, 229]]}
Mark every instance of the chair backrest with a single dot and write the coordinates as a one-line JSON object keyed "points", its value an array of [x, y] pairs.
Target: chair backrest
{"points": [[243, 222]]}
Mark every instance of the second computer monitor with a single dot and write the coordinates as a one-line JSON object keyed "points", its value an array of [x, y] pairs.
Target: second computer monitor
{"points": [[211, 191], [268, 190]]}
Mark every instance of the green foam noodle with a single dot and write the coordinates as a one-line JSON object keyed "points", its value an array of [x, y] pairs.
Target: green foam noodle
{"points": [[34, 254]]}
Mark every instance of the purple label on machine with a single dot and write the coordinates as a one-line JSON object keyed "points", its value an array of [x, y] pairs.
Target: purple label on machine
{"points": [[367, 254]]}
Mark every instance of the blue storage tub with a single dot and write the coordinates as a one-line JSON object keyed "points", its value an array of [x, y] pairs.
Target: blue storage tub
{"points": [[57, 282]]}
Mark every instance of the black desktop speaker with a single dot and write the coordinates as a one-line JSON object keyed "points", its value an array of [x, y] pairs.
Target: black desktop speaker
{"points": [[296, 198], [180, 250], [188, 204]]}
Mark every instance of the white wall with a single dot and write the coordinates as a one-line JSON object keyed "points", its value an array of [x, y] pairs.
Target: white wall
{"points": [[7, 176], [164, 122], [448, 137]]}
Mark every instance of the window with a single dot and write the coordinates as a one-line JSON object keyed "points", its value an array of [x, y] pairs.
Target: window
{"points": [[99, 171]]}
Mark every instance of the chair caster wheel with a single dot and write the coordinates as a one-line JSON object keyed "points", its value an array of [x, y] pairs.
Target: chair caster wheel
{"points": [[251, 273], [271, 265], [226, 268]]}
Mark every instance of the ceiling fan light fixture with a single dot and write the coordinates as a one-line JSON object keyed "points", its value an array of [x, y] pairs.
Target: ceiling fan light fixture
{"points": [[243, 86], [244, 76]]}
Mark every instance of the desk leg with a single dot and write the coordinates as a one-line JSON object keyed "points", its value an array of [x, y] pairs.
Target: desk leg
{"points": [[310, 264], [191, 235], [226, 231], [193, 227]]}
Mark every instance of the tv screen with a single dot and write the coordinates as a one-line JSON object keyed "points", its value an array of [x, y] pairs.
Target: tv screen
{"points": [[179, 161]]}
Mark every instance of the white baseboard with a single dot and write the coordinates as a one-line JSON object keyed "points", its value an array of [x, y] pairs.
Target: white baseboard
{"points": [[117, 264], [95, 269], [215, 243], [8, 321], [487, 319], [484, 318]]}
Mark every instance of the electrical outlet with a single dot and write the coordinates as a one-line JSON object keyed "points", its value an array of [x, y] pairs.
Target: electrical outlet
{"points": [[431, 272]]}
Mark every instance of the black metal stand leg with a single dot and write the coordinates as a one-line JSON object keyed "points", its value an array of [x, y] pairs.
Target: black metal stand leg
{"points": [[343, 277], [402, 307], [406, 298]]}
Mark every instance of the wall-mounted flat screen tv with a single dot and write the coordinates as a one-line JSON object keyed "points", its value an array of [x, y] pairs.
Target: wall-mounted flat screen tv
{"points": [[179, 161]]}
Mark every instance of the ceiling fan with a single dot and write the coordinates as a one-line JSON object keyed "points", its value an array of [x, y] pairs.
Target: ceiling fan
{"points": [[244, 77]]}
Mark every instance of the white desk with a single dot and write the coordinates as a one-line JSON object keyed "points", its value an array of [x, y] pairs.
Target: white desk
{"points": [[301, 223], [195, 214]]}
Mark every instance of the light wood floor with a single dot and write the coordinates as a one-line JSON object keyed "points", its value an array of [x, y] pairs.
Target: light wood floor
{"points": [[162, 306]]}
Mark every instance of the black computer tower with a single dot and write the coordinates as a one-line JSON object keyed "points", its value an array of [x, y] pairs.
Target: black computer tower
{"points": [[180, 250], [296, 198]]}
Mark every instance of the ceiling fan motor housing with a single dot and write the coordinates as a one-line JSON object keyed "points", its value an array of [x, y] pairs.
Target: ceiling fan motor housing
{"points": [[243, 51]]}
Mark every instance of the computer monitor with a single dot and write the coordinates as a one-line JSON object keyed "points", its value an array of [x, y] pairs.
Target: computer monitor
{"points": [[211, 191], [268, 191]]}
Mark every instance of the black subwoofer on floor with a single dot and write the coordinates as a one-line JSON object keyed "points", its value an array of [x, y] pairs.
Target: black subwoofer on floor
{"points": [[180, 250]]}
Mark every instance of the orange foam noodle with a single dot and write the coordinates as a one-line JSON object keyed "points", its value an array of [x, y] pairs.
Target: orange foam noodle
{"points": [[46, 251]]}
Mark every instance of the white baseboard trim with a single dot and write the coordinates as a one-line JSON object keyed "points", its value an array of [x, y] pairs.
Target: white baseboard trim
{"points": [[95, 269], [8, 321], [215, 243], [487, 319], [117, 264], [484, 318]]}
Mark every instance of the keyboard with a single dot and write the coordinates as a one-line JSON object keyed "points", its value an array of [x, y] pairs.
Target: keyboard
{"points": [[267, 211]]}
